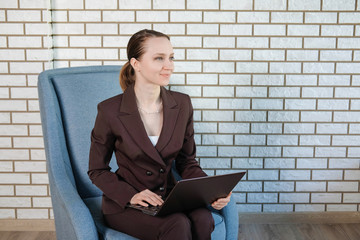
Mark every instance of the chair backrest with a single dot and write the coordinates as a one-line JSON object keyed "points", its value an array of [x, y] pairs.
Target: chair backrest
{"points": [[71, 96]]}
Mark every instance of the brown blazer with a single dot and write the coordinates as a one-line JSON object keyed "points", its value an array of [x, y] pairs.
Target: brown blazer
{"points": [[119, 128]]}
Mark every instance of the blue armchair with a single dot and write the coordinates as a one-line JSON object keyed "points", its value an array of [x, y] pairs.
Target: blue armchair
{"points": [[68, 106]]}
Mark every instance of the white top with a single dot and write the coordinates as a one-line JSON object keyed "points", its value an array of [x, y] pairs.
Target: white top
{"points": [[154, 139]]}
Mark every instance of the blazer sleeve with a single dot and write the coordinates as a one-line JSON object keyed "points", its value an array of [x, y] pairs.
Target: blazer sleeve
{"points": [[101, 150], [186, 164]]}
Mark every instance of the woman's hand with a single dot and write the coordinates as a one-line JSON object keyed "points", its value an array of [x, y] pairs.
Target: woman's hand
{"points": [[221, 202], [146, 197]]}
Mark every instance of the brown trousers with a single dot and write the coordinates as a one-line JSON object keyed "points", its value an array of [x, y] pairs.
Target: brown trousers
{"points": [[197, 224]]}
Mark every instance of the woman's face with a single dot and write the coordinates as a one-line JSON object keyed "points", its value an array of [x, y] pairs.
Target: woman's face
{"points": [[156, 65]]}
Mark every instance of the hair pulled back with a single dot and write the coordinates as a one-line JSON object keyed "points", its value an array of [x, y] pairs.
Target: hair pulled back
{"points": [[135, 49]]}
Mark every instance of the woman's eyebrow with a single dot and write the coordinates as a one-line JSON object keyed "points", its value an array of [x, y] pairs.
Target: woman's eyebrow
{"points": [[163, 54]]}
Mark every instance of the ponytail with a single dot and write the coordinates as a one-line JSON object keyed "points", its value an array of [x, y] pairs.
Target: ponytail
{"points": [[127, 76]]}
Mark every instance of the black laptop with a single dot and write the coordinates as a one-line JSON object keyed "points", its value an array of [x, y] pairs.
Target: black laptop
{"points": [[193, 193]]}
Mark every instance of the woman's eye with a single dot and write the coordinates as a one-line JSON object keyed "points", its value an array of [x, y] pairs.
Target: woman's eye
{"points": [[159, 58], [172, 58]]}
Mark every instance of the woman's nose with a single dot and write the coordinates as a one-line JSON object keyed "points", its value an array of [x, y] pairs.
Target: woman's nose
{"points": [[169, 64]]}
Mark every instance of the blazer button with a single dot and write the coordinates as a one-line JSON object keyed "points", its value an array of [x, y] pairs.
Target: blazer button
{"points": [[161, 189], [162, 170], [149, 173]]}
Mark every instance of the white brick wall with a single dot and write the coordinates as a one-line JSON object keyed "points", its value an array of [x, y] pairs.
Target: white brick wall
{"points": [[274, 85]]}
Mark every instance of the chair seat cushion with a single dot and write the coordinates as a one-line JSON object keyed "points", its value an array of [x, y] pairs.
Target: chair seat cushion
{"points": [[94, 205]]}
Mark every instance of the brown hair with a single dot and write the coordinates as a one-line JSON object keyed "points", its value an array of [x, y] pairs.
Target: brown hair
{"points": [[135, 49]]}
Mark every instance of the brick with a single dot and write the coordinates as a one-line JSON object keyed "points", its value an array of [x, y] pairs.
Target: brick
{"points": [[294, 174], [11, 28], [317, 92], [294, 197], [37, 28], [32, 213], [58, 16], [333, 5], [13, 80], [278, 208], [208, 151], [218, 115], [343, 186], [279, 163], [320, 17], [325, 197], [334, 80], [346, 140], [219, 42], [346, 116], [26, 67], [5, 142], [269, 55], [284, 92], [285, 42], [265, 152], [234, 79], [269, 30], [283, 116], [4, 117], [236, 55], [186, 67], [60, 41], [252, 67], [172, 4], [33, 4], [248, 186], [298, 151], [106, 4], [341, 208], [351, 197], [26, 118], [286, 17], [233, 29], [87, 41], [102, 53], [337, 30], [302, 80], [263, 175], [85, 16], [37, 154], [152, 16], [327, 175], [4, 93], [35, 130], [192, 91], [12, 105], [262, 198], [246, 163], [355, 104], [172, 29], [217, 139], [202, 79], [268, 80], [41, 178], [31, 190], [253, 17], [352, 175], [266, 128], [250, 116], [252, 42], [267, 104], [309, 207], [37, 55], [14, 178], [204, 103], [278, 186], [234, 128], [311, 186], [300, 104], [347, 68], [238, 5], [30, 166], [24, 93], [233, 151], [15, 201], [203, 4], [6, 167], [330, 151], [202, 54], [302, 55], [285, 67], [349, 17], [118, 16], [215, 162], [188, 16], [33, 105], [28, 142], [282, 140], [249, 140], [218, 67], [220, 17], [336, 128], [303, 30], [304, 5], [348, 43], [185, 42], [270, 5], [311, 163], [141, 4], [23, 16], [251, 92], [12, 55], [347, 92], [218, 91], [344, 163], [336, 55], [354, 128], [251, 208], [318, 67], [7, 190], [3, 41], [70, 53], [320, 43], [9, 4], [103, 28], [68, 28], [42, 202]]}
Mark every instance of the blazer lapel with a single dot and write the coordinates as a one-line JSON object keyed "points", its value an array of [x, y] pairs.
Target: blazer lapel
{"points": [[130, 118]]}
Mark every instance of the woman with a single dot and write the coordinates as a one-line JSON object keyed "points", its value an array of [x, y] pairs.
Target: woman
{"points": [[148, 127]]}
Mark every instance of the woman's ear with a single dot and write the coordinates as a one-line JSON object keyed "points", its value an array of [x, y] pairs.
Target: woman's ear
{"points": [[135, 64]]}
